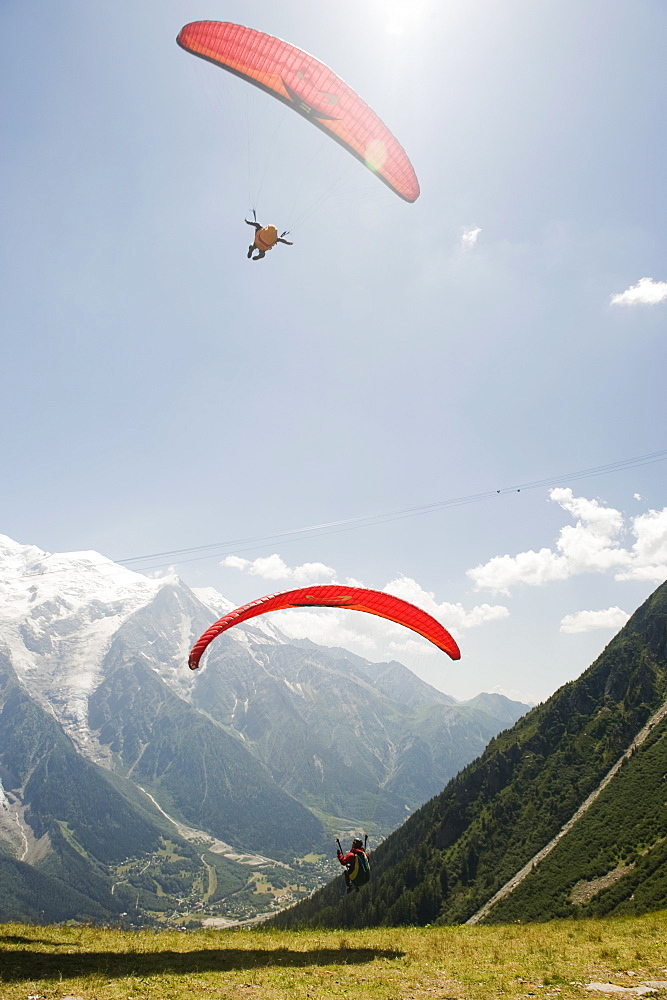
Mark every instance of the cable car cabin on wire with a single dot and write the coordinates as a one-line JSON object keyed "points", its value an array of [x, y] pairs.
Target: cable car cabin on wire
{"points": [[306, 85]]}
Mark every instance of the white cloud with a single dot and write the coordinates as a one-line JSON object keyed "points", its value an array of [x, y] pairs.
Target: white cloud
{"points": [[501, 573], [637, 496], [646, 292], [469, 237], [452, 616], [332, 627], [649, 552], [591, 545], [274, 567], [586, 621]]}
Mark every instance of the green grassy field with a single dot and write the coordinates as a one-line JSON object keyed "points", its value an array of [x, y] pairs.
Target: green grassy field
{"points": [[535, 960]]}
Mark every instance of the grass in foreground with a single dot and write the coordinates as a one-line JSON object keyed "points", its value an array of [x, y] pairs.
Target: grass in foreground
{"points": [[554, 960]]}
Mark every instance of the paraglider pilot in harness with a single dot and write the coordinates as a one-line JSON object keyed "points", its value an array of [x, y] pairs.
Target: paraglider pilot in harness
{"points": [[266, 237], [356, 863]]}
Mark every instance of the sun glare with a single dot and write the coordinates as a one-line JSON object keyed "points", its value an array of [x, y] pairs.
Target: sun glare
{"points": [[401, 18]]}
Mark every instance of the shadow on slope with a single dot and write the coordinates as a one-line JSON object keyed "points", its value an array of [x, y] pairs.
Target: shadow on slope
{"points": [[34, 965]]}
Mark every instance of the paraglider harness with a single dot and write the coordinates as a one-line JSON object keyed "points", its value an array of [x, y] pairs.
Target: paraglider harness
{"points": [[259, 244], [357, 865]]}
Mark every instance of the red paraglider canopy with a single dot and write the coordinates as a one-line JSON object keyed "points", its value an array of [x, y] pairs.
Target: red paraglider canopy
{"points": [[334, 595], [309, 87]]}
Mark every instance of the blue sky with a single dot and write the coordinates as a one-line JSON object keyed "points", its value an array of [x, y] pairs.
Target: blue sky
{"points": [[160, 392]]}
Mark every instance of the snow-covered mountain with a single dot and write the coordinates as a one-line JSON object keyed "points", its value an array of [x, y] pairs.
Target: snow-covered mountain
{"points": [[59, 614]]}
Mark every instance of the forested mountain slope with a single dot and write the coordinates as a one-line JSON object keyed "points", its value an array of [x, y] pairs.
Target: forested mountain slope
{"points": [[460, 848]]}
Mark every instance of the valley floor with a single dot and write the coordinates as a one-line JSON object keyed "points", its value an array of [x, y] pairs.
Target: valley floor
{"points": [[553, 961]]}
